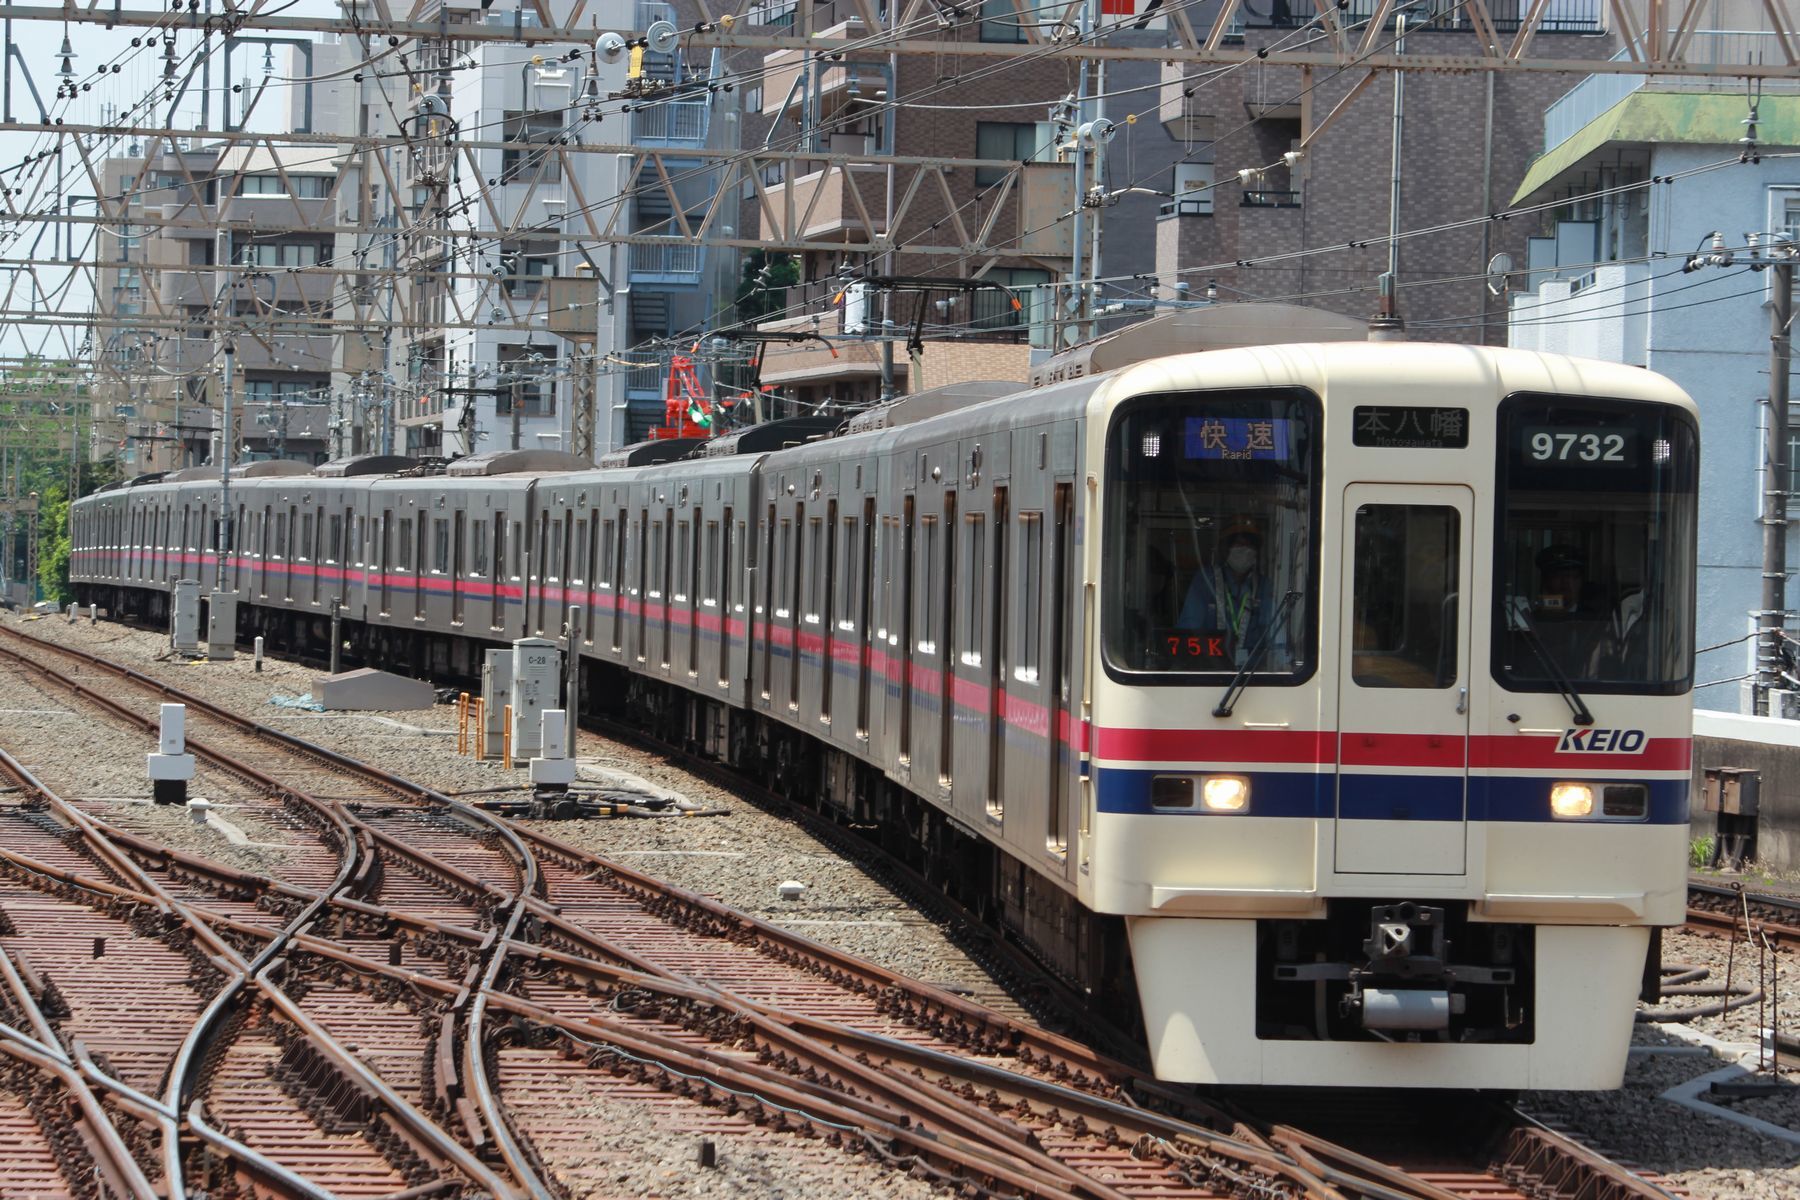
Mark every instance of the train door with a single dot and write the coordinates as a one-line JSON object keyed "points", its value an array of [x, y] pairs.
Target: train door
{"points": [[1403, 671]]}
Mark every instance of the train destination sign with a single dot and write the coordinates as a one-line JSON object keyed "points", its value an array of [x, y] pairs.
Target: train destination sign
{"points": [[1261, 438], [1394, 427]]}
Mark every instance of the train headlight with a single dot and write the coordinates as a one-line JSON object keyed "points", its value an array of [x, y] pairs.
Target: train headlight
{"points": [[1571, 801], [1225, 793]]}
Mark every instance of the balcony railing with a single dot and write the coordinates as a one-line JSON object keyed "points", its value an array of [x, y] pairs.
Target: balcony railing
{"points": [[1269, 199], [1185, 208], [1584, 103], [644, 379], [666, 260], [680, 121], [1441, 16]]}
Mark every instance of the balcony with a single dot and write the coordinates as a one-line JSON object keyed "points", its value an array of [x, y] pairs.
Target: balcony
{"points": [[1185, 208], [668, 264], [1264, 198], [836, 210], [670, 123], [266, 213], [1440, 16], [836, 83], [1588, 100]]}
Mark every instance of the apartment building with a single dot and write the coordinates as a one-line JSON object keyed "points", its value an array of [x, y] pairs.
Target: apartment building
{"points": [[214, 246], [1605, 278], [476, 265], [1005, 208], [1283, 168]]}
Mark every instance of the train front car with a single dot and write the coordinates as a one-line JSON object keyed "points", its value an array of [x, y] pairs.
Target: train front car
{"points": [[1390, 735]]}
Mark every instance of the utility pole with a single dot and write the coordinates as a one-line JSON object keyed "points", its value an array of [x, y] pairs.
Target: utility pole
{"points": [[518, 400], [224, 539], [1387, 317], [1771, 619]]}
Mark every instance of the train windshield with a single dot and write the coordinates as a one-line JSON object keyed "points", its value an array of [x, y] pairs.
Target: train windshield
{"points": [[1595, 548], [1212, 561]]}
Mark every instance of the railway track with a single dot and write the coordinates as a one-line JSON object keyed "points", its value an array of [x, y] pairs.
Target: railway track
{"points": [[1735, 908], [460, 981]]}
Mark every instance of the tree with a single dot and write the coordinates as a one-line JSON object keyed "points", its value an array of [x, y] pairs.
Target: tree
{"points": [[762, 293]]}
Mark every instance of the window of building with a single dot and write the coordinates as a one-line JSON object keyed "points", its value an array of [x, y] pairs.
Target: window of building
{"points": [[991, 309], [525, 265], [1000, 22], [535, 368], [525, 163], [1018, 141]]}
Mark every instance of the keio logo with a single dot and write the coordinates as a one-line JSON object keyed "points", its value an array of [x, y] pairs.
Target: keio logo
{"points": [[1601, 741]]}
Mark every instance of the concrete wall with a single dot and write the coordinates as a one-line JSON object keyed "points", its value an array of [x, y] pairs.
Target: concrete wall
{"points": [[1765, 744]]}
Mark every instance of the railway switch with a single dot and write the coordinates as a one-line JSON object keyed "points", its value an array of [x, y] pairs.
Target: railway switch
{"points": [[171, 768]]}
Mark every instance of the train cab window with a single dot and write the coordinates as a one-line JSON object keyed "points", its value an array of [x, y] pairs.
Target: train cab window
{"points": [[1405, 603], [1594, 547], [1211, 517]]}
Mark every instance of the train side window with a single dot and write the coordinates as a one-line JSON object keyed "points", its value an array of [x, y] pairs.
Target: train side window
{"points": [[782, 600], [928, 536], [304, 551], [1031, 595], [974, 611], [334, 543], [404, 559], [478, 550], [518, 550], [440, 547], [683, 556], [362, 535], [579, 562], [709, 591], [843, 608], [815, 584]]}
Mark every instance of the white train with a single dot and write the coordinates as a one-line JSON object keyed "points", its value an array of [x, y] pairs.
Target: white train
{"points": [[1329, 700]]}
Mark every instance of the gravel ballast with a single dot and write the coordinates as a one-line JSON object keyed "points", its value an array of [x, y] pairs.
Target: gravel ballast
{"points": [[742, 856]]}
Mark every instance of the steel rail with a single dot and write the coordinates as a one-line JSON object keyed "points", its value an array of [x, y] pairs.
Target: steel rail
{"points": [[244, 974], [111, 1158], [1308, 1172]]}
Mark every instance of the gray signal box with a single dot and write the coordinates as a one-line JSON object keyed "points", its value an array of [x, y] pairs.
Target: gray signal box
{"points": [[536, 686]]}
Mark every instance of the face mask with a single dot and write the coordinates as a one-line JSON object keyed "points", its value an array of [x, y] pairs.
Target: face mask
{"points": [[1240, 559]]}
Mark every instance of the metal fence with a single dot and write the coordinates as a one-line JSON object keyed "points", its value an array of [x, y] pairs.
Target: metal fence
{"points": [[670, 121], [1582, 104], [665, 260]]}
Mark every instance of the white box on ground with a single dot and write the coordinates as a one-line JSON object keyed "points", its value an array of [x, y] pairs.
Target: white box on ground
{"points": [[553, 768], [536, 686], [221, 626], [368, 688], [496, 694], [184, 617], [171, 761]]}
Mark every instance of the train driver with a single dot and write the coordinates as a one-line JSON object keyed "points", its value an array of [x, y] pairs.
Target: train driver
{"points": [[1233, 596], [1569, 614]]}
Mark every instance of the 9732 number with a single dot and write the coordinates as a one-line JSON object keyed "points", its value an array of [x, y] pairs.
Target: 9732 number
{"points": [[1577, 447]]}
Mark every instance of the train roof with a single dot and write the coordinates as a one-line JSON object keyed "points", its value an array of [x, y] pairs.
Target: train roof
{"points": [[1189, 330]]}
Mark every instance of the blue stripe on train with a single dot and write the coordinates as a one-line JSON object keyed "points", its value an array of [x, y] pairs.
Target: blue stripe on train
{"points": [[1388, 797]]}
